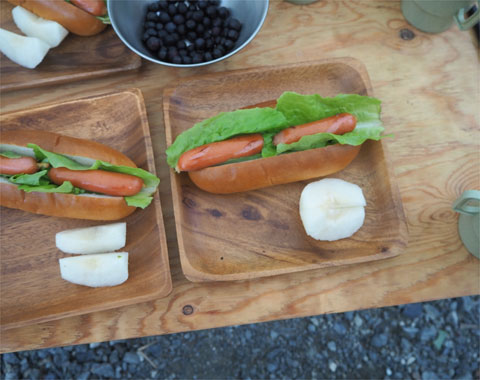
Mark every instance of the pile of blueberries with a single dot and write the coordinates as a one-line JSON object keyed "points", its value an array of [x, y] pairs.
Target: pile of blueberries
{"points": [[188, 32]]}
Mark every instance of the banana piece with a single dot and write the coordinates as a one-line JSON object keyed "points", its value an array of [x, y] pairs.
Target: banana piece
{"points": [[332, 209]]}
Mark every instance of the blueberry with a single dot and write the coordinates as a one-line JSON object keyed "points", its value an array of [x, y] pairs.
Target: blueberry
{"points": [[191, 36], [172, 9], [181, 29], [162, 53], [202, 4], [182, 52], [178, 19], [153, 43], [211, 11], [217, 22], [149, 24], [162, 34], [223, 12], [177, 60], [190, 24], [181, 44], [159, 26], [216, 31], [232, 34], [234, 24], [228, 44], [162, 4], [151, 32], [207, 21], [208, 56], [151, 16], [169, 40], [164, 17], [216, 53], [182, 8], [200, 29], [197, 58], [197, 16], [170, 27], [191, 47], [208, 43], [199, 43], [186, 60], [153, 7]]}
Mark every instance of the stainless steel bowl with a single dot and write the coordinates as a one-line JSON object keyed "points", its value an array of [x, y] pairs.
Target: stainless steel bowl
{"points": [[128, 16]]}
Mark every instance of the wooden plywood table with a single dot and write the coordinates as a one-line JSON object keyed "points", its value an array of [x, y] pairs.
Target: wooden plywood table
{"points": [[429, 88]]}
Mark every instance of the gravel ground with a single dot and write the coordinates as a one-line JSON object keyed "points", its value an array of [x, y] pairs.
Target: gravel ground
{"points": [[432, 340]]}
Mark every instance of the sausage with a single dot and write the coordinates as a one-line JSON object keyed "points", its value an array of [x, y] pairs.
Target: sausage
{"points": [[221, 151], [98, 181], [21, 165], [338, 124], [94, 7]]}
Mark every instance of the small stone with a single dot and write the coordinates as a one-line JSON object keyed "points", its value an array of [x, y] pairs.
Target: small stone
{"points": [[271, 367], [10, 358], [83, 376], [411, 360], [379, 340], [428, 333], [332, 346], [103, 369], [332, 365], [388, 372], [340, 328], [311, 328], [273, 334], [94, 345], [131, 358], [358, 321], [410, 331], [412, 310], [429, 375]]}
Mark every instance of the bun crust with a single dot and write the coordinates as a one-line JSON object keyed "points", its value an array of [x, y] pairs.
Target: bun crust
{"points": [[65, 205], [285, 168], [69, 16]]}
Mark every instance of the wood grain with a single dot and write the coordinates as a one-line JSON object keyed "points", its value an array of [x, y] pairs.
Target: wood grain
{"points": [[259, 233], [31, 289], [429, 91], [76, 58]]}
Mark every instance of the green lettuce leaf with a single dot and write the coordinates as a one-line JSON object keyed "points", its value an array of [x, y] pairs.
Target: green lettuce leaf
{"points": [[320, 140], [224, 126], [35, 179], [10, 154], [66, 187], [300, 109]]}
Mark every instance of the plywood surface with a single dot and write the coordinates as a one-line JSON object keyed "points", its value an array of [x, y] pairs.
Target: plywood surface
{"points": [[429, 90]]}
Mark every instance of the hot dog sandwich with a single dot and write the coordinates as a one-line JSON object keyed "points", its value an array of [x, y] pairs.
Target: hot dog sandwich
{"points": [[51, 174], [294, 138]]}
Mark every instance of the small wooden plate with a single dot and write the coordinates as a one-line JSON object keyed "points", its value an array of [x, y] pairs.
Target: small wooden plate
{"points": [[260, 233], [31, 287], [76, 58]]}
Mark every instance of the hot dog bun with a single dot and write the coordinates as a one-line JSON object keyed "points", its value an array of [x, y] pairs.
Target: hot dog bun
{"points": [[69, 16], [263, 172], [93, 207]]}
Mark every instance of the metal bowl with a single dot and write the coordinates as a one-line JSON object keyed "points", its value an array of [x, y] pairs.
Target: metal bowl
{"points": [[127, 18]]}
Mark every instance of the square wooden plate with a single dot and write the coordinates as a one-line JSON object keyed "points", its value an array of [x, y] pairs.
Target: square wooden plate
{"points": [[260, 233], [76, 58], [31, 287]]}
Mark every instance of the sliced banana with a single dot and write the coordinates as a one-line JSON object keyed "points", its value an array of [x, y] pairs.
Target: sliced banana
{"points": [[332, 209]]}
